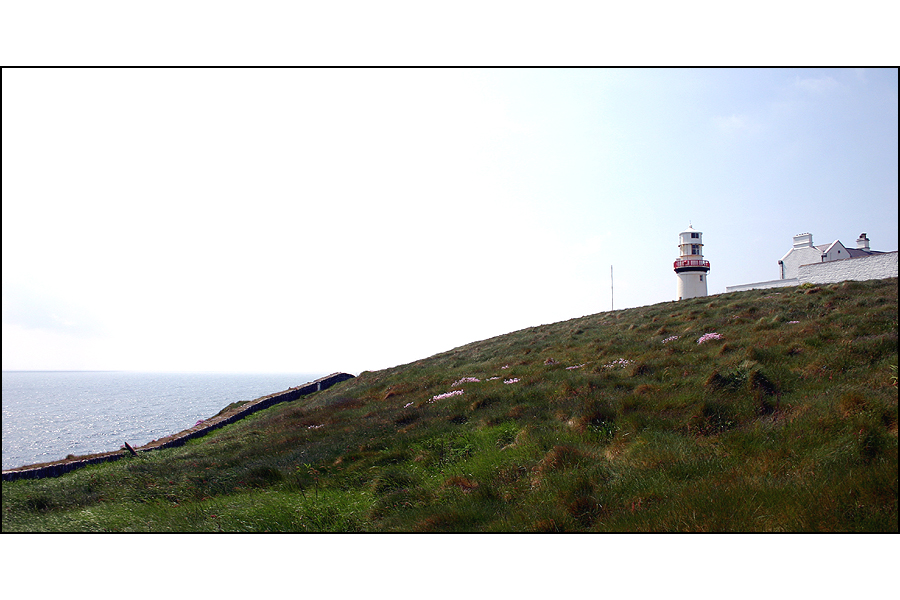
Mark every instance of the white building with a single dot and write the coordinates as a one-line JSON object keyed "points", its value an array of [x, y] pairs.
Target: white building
{"points": [[690, 268], [827, 263], [805, 253]]}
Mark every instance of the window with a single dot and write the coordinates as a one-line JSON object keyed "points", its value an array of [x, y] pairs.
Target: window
{"points": [[701, 278], [695, 236], [695, 248]]}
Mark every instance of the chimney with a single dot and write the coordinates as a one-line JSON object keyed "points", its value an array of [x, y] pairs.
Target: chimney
{"points": [[803, 240], [862, 242]]}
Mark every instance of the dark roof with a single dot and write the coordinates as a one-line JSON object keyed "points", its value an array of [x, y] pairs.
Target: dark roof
{"points": [[858, 253]]}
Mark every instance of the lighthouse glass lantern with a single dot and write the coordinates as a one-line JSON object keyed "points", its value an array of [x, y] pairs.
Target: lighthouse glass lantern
{"points": [[690, 268]]}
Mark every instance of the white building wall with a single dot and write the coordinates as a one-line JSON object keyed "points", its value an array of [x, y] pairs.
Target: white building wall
{"points": [[799, 256], [878, 266], [835, 252]]}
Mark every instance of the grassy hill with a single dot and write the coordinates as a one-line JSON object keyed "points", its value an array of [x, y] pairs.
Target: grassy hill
{"points": [[768, 410]]}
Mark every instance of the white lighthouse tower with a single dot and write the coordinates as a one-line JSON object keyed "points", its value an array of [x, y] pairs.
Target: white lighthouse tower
{"points": [[690, 267]]}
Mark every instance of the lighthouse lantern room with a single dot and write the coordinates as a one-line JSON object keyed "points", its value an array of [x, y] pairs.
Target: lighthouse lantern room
{"points": [[690, 267]]}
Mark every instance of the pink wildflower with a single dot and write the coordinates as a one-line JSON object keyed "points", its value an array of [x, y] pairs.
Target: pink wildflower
{"points": [[709, 336], [621, 362], [465, 380], [792, 322], [446, 395], [670, 339], [513, 380], [575, 367]]}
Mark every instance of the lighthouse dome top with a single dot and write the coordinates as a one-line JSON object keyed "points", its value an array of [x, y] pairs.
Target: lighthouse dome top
{"points": [[690, 236]]}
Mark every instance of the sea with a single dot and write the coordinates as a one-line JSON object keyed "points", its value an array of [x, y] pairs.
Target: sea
{"points": [[48, 415]]}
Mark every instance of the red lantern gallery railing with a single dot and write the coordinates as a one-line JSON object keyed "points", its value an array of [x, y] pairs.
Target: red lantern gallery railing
{"points": [[691, 263]]}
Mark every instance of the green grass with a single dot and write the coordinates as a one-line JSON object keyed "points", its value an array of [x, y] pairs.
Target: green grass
{"points": [[778, 426]]}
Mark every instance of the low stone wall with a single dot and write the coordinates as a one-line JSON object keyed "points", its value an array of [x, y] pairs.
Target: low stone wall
{"points": [[762, 285], [179, 439], [877, 266]]}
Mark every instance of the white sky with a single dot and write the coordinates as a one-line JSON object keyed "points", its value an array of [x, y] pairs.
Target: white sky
{"points": [[319, 221]]}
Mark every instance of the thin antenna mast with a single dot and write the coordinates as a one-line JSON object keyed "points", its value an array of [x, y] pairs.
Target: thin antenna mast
{"points": [[611, 290]]}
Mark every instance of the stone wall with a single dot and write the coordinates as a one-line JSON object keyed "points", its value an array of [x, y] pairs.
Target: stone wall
{"points": [[762, 285], [877, 266], [179, 439]]}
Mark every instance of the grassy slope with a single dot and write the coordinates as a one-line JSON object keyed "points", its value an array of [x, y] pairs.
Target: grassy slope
{"points": [[778, 426]]}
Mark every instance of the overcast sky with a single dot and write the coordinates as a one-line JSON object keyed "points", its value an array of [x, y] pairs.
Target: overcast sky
{"points": [[319, 220]]}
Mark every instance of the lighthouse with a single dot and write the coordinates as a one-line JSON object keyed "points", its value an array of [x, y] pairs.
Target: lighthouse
{"points": [[690, 267]]}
